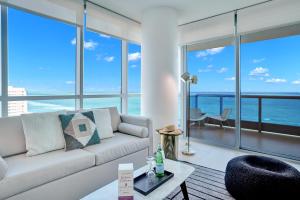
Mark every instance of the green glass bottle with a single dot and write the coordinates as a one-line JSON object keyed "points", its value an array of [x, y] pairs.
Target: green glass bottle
{"points": [[159, 168]]}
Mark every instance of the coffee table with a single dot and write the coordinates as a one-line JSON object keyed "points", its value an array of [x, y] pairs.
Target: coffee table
{"points": [[181, 172]]}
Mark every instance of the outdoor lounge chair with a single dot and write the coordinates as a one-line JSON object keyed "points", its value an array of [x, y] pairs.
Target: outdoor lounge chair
{"points": [[197, 117], [222, 119]]}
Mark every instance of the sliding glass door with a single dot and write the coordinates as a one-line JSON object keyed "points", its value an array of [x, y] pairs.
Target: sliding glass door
{"points": [[269, 83], [212, 99], [270, 86]]}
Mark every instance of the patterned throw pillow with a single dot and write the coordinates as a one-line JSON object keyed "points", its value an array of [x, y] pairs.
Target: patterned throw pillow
{"points": [[79, 130]]}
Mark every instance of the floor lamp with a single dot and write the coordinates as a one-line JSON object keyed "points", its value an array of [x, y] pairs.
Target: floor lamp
{"points": [[188, 80]]}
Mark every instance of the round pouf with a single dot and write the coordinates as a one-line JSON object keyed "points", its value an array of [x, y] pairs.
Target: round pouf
{"points": [[258, 177]]}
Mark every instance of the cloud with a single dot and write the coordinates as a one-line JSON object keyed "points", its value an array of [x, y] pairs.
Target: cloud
{"points": [[258, 60], [89, 45], [73, 41], [215, 50], [230, 79], [134, 56], [204, 70], [70, 82], [133, 66], [208, 68], [296, 82], [201, 54], [222, 70], [208, 52], [259, 71], [275, 80], [104, 36], [109, 58]]}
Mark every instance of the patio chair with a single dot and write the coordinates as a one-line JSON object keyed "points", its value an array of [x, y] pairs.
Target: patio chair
{"points": [[197, 117], [222, 119]]}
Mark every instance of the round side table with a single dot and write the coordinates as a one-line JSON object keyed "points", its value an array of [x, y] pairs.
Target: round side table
{"points": [[169, 142]]}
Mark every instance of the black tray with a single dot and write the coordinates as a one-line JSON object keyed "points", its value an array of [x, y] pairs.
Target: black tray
{"points": [[144, 186]]}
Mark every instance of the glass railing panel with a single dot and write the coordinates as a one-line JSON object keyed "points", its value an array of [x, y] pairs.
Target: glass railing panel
{"points": [[249, 109], [281, 111]]}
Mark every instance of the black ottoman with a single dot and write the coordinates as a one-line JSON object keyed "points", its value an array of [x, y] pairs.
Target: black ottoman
{"points": [[257, 177]]}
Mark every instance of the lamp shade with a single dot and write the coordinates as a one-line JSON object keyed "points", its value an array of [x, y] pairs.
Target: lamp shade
{"points": [[185, 77], [194, 79]]}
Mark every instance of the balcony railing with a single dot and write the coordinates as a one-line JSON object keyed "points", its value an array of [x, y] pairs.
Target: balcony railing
{"points": [[259, 124]]}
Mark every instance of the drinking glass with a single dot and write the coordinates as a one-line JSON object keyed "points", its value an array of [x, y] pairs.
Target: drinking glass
{"points": [[150, 170]]}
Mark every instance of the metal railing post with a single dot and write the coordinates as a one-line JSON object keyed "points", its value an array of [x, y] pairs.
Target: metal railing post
{"points": [[221, 105], [259, 115], [196, 101]]}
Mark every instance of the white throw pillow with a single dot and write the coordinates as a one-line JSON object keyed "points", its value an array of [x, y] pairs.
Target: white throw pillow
{"points": [[103, 123], [43, 132]]}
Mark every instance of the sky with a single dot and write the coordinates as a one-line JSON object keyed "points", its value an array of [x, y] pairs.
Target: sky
{"points": [[266, 66], [42, 55]]}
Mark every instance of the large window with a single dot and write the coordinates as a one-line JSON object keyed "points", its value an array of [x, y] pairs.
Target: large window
{"points": [[134, 79], [102, 64], [41, 61], [41, 58], [43, 65], [102, 70]]}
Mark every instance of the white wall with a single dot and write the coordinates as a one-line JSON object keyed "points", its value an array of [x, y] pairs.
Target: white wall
{"points": [[160, 69]]}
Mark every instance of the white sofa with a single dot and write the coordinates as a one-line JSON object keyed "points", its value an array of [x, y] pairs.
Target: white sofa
{"points": [[69, 174]]}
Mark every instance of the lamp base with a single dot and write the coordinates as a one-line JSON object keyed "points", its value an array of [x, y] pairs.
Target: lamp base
{"points": [[188, 152]]}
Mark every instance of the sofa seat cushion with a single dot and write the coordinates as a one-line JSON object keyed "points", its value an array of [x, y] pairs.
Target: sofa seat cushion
{"points": [[116, 147], [25, 172]]}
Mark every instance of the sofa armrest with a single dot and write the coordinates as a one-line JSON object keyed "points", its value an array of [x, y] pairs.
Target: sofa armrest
{"points": [[3, 168], [141, 121]]}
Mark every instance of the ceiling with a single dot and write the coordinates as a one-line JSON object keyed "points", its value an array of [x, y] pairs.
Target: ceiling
{"points": [[188, 10]]}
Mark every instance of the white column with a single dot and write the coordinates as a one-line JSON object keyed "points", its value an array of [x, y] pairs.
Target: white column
{"points": [[160, 67]]}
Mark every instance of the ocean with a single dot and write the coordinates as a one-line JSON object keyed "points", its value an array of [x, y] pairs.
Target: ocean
{"points": [[278, 111], [69, 104]]}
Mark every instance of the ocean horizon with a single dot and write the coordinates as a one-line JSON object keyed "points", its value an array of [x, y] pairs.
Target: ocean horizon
{"points": [[278, 111]]}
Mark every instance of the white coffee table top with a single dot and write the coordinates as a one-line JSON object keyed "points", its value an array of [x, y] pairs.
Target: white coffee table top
{"points": [[181, 172]]}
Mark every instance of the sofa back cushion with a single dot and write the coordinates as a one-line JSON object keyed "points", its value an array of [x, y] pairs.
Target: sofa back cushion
{"points": [[43, 132], [103, 123], [115, 118], [12, 139]]}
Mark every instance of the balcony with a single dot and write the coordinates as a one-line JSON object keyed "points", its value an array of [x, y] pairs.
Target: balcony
{"points": [[269, 123]]}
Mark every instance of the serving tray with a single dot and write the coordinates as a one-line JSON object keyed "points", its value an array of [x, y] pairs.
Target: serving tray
{"points": [[144, 186]]}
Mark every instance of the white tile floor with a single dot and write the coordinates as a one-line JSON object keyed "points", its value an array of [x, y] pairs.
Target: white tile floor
{"points": [[216, 157]]}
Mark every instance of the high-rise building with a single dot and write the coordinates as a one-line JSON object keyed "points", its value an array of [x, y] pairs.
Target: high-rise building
{"points": [[17, 107]]}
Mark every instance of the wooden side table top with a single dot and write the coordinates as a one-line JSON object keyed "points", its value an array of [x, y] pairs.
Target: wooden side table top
{"points": [[169, 133]]}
